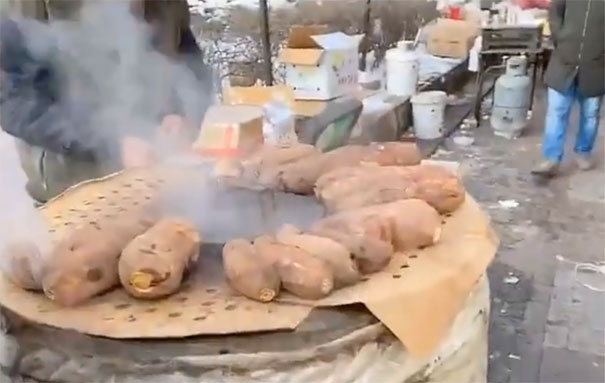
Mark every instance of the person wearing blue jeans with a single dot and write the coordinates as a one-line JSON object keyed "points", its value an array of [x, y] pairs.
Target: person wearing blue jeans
{"points": [[576, 72], [557, 120]]}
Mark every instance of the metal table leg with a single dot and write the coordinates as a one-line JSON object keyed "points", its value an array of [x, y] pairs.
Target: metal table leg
{"points": [[533, 81], [479, 94]]}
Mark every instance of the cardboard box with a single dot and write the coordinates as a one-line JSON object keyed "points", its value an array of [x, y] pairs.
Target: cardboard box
{"points": [[230, 131], [451, 38], [320, 66]]}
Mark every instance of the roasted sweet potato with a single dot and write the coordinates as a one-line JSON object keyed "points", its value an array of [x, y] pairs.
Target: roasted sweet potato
{"points": [[404, 224], [351, 188], [415, 224], [368, 237], [369, 253], [271, 156], [85, 263], [301, 273], [335, 254], [343, 179], [23, 264], [393, 153], [153, 264], [248, 273], [263, 165], [436, 185], [377, 192], [300, 177]]}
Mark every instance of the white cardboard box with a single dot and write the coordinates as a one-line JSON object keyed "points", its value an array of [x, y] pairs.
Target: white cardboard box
{"points": [[319, 65]]}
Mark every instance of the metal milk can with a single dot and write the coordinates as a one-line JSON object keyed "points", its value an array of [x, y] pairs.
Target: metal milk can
{"points": [[511, 99], [402, 69]]}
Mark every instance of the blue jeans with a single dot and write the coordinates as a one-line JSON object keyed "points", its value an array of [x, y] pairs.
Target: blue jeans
{"points": [[557, 121]]}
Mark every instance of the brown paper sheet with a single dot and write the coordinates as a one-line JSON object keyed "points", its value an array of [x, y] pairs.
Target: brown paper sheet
{"points": [[417, 296]]}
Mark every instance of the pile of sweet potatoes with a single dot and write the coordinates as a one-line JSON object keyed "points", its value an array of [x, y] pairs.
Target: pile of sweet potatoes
{"points": [[355, 176], [353, 187], [380, 199], [297, 169], [334, 253], [382, 202]]}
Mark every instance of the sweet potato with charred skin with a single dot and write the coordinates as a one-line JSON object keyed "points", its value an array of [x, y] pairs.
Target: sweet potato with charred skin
{"points": [[301, 273], [405, 225], [343, 179], [153, 264], [248, 273], [346, 189], [343, 182], [378, 192], [436, 185], [367, 237], [300, 177], [369, 253], [85, 262], [334, 253], [262, 165], [393, 153], [23, 264], [415, 224]]}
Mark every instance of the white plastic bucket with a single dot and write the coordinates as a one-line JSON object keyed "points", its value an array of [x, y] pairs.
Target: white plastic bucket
{"points": [[402, 71], [428, 110]]}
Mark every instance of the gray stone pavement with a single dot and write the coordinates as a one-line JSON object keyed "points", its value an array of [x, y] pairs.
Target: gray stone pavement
{"points": [[545, 325]]}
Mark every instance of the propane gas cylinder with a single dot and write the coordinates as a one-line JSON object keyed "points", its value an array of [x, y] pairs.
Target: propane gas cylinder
{"points": [[511, 99]]}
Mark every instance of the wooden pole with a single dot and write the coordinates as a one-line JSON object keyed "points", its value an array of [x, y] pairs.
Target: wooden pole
{"points": [[266, 41], [366, 39]]}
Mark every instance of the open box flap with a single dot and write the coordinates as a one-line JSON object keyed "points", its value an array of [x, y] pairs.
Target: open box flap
{"points": [[337, 41], [300, 36], [258, 95], [305, 57]]}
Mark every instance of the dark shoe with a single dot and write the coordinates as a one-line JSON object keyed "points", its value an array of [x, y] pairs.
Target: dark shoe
{"points": [[584, 162], [546, 168]]}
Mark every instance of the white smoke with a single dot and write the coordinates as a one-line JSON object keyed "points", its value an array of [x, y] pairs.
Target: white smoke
{"points": [[108, 70], [19, 218]]}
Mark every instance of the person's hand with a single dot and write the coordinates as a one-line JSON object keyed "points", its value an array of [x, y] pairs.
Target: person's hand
{"points": [[173, 125], [136, 153], [174, 135]]}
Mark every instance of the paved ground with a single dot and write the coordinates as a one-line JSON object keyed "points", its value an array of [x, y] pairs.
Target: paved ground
{"points": [[545, 325]]}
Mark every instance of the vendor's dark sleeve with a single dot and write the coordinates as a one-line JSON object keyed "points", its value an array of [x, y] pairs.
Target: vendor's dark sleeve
{"points": [[556, 17], [193, 57], [30, 106], [37, 119]]}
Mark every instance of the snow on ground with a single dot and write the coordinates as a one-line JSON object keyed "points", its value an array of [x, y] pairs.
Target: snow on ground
{"points": [[218, 8]]}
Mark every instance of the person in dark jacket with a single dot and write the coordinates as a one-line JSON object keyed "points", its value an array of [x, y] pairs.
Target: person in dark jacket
{"points": [[59, 141], [576, 72]]}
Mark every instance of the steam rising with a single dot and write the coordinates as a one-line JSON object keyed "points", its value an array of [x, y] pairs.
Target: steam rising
{"points": [[112, 83], [110, 75], [19, 219], [111, 79]]}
